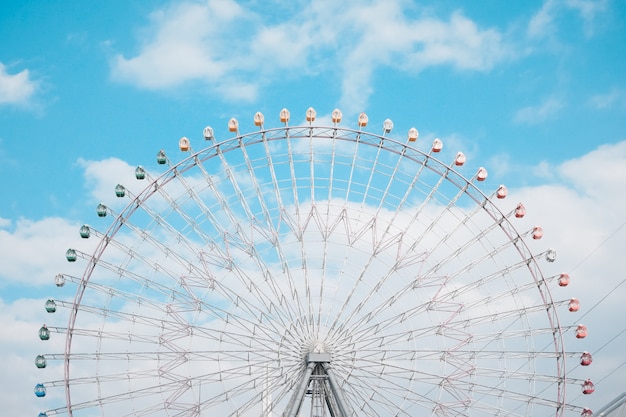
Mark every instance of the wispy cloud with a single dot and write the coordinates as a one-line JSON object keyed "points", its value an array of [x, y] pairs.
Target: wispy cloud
{"points": [[225, 46], [607, 100], [544, 23], [16, 89], [539, 113]]}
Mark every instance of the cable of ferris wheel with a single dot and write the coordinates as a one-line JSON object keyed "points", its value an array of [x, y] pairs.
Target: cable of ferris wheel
{"points": [[603, 298], [612, 339], [583, 260]]}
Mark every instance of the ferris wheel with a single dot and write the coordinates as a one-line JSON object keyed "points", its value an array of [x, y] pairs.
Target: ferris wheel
{"points": [[310, 271]]}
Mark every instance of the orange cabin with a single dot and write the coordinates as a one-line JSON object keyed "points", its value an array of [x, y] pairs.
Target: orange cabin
{"points": [[460, 159], [336, 116], [413, 134], [310, 114], [259, 119], [233, 125], [437, 145], [183, 144], [363, 119]]}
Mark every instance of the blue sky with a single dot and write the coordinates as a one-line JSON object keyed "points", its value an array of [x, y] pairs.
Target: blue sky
{"points": [[533, 90]]}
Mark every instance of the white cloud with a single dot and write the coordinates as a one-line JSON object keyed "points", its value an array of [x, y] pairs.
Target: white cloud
{"points": [[101, 178], [33, 252], [541, 24], [187, 44], [221, 44], [458, 42], [600, 174], [540, 113], [16, 88], [608, 100], [4, 223], [544, 23], [588, 11]]}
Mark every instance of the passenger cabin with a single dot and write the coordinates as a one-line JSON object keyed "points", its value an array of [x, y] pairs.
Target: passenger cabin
{"points": [[44, 333]]}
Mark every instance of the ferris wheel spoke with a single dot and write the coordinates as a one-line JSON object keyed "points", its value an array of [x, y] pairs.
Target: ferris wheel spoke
{"points": [[487, 255], [411, 355], [383, 395], [373, 169], [284, 220], [240, 331], [266, 230], [515, 397], [447, 330], [245, 390], [142, 393], [307, 309], [184, 295], [247, 244], [166, 355], [393, 269], [269, 230]]}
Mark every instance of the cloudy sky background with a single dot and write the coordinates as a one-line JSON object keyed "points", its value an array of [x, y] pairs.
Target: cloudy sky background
{"points": [[535, 91]]}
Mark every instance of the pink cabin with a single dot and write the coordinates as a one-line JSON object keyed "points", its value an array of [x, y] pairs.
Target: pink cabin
{"points": [[502, 192], [586, 359], [564, 280], [284, 116], [586, 413], [481, 175], [581, 331], [537, 232], [520, 211], [460, 159], [413, 134], [437, 145], [574, 305], [588, 387]]}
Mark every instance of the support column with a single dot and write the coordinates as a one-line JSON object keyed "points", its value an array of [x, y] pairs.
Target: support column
{"points": [[320, 363]]}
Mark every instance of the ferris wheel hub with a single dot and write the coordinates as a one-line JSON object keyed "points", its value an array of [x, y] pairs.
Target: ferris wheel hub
{"points": [[318, 357]]}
